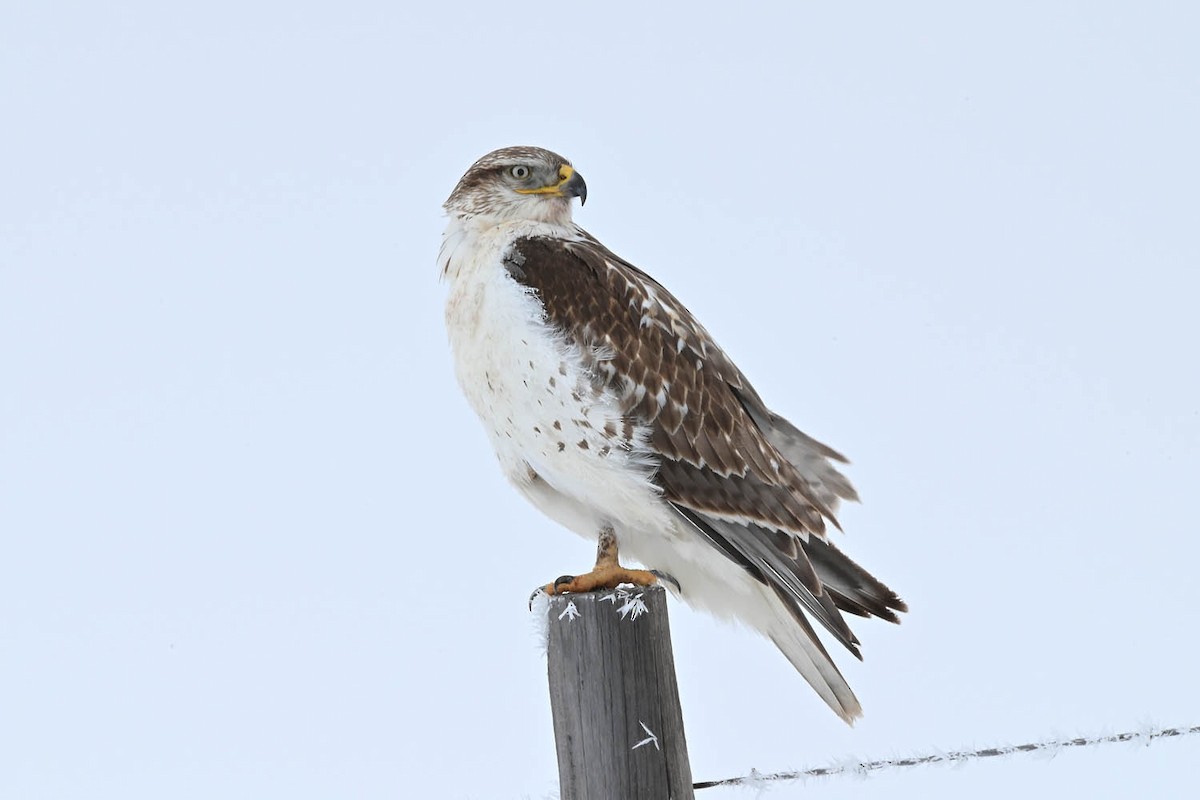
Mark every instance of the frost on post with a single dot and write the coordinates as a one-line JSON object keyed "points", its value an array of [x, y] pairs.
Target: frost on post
{"points": [[651, 738], [632, 605], [539, 607]]}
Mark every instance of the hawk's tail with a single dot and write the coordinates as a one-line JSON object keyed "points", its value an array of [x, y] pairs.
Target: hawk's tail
{"points": [[790, 630], [775, 593]]}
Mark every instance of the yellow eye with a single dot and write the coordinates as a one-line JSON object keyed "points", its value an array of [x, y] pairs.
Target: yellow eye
{"points": [[519, 172]]}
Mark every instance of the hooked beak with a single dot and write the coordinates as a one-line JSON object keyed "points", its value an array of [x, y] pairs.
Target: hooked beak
{"points": [[575, 186], [570, 184]]}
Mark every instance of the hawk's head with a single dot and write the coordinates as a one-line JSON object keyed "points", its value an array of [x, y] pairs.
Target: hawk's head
{"points": [[518, 183]]}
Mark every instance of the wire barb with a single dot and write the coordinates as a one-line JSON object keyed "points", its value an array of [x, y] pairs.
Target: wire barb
{"points": [[864, 768]]}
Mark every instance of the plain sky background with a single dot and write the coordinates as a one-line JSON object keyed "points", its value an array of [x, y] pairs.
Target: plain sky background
{"points": [[253, 544]]}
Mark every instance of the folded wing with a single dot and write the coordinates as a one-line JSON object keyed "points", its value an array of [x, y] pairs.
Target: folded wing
{"points": [[749, 482]]}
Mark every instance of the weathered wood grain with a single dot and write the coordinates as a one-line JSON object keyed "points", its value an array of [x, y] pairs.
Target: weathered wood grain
{"points": [[618, 725]]}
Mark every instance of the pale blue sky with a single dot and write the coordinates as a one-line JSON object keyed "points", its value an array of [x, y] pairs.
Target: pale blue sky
{"points": [[253, 543]]}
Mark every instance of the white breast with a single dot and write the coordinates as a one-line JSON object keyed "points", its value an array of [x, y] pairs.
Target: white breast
{"points": [[562, 442], [532, 394]]}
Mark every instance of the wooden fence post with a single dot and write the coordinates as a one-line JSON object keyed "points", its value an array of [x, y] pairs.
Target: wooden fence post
{"points": [[618, 726]]}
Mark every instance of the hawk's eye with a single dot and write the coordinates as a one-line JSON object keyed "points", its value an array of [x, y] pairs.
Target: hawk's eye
{"points": [[519, 172]]}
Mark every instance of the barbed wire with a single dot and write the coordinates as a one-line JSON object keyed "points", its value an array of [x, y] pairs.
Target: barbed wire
{"points": [[1049, 747]]}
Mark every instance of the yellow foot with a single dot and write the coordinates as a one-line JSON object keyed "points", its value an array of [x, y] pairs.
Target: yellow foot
{"points": [[602, 577], [608, 574]]}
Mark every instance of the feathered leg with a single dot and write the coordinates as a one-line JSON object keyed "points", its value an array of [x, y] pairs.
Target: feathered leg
{"points": [[607, 574]]}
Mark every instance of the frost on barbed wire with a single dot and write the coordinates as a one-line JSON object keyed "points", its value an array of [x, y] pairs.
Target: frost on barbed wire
{"points": [[1045, 748]]}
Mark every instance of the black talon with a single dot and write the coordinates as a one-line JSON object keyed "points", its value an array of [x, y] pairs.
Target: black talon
{"points": [[664, 576], [562, 579], [532, 597]]}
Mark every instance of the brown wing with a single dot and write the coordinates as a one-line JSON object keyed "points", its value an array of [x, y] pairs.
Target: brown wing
{"points": [[750, 482]]}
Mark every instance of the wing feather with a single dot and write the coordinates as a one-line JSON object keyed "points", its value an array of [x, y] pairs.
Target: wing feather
{"points": [[752, 484]]}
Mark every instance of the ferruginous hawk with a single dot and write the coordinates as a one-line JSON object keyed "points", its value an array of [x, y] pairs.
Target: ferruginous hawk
{"points": [[614, 412]]}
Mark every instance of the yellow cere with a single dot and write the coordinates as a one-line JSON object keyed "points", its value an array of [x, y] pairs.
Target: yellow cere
{"points": [[564, 174]]}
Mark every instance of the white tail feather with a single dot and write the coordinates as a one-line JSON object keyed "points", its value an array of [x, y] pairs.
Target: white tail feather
{"points": [[811, 661]]}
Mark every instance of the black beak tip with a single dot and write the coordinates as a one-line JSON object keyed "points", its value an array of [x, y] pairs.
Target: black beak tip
{"points": [[577, 187]]}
